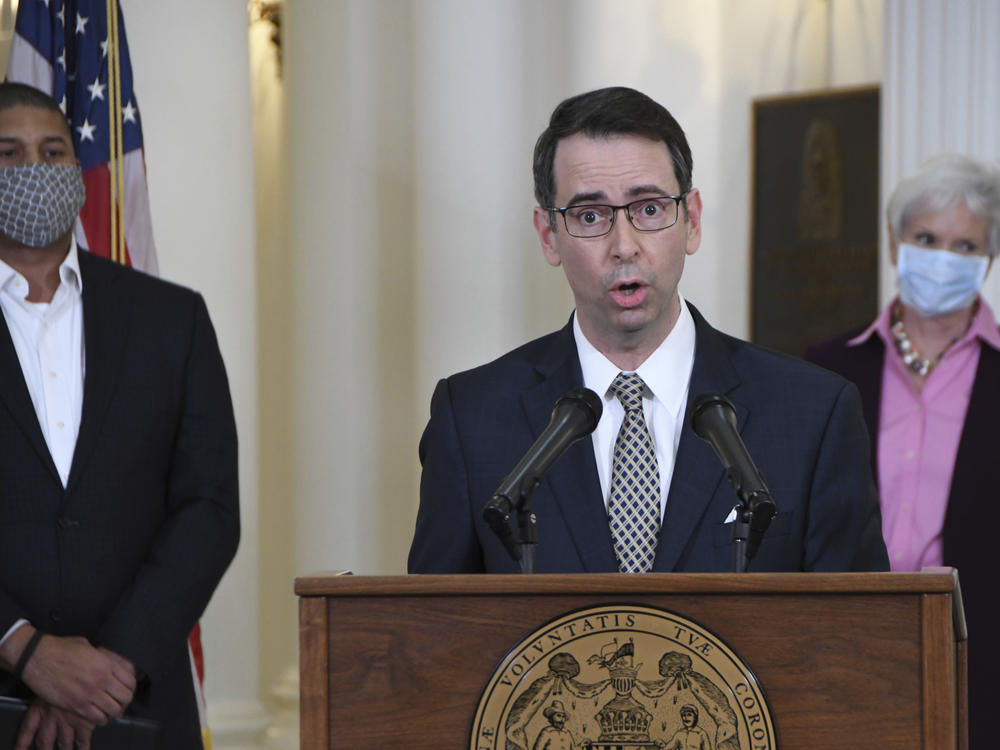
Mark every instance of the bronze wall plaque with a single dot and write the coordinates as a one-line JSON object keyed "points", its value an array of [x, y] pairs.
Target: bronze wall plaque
{"points": [[815, 215]]}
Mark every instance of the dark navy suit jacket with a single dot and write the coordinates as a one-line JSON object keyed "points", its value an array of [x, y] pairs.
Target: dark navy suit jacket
{"points": [[802, 425], [970, 529], [129, 553]]}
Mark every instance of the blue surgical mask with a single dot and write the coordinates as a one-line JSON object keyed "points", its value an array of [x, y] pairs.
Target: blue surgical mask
{"points": [[937, 282]]}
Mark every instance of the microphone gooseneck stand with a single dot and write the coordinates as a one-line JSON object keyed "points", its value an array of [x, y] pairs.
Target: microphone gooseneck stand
{"points": [[753, 516], [519, 540]]}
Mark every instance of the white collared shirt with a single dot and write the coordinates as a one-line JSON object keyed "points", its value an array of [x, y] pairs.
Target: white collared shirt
{"points": [[667, 374], [48, 339]]}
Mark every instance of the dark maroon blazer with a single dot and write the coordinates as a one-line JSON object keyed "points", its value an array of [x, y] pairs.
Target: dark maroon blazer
{"points": [[969, 528]]}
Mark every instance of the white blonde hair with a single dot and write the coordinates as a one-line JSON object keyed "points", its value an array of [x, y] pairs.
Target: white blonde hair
{"points": [[945, 181]]}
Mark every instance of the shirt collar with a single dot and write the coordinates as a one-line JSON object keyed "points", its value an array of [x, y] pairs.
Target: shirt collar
{"points": [[666, 372], [69, 271], [983, 327], [7, 276]]}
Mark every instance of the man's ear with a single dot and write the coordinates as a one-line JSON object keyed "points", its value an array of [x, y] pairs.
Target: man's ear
{"points": [[546, 227], [692, 203]]}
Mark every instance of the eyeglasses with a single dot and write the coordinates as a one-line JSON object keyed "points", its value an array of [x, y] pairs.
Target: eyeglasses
{"points": [[645, 214]]}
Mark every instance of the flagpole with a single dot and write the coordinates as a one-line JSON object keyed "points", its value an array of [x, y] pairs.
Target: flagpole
{"points": [[116, 178], [112, 164], [119, 140]]}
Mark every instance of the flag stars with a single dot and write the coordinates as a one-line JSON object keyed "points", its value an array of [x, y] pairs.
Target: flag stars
{"points": [[86, 130], [81, 24], [104, 48], [62, 58], [61, 15], [129, 113], [96, 89]]}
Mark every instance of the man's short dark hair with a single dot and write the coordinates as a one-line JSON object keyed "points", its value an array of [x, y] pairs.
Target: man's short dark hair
{"points": [[606, 112], [22, 95]]}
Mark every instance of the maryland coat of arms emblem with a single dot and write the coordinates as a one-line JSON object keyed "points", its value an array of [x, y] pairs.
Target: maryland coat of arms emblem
{"points": [[622, 678]]}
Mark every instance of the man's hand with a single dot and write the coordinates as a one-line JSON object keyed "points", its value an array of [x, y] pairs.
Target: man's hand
{"points": [[50, 727], [69, 673]]}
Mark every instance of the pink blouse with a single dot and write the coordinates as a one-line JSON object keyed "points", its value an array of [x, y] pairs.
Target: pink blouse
{"points": [[918, 439]]}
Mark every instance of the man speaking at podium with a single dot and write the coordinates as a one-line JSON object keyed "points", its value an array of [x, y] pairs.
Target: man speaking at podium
{"points": [[617, 210]]}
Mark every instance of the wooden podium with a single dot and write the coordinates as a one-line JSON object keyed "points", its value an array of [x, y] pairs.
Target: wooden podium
{"points": [[859, 660]]}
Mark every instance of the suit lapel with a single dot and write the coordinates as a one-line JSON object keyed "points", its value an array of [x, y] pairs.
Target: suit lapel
{"points": [[15, 396], [105, 329], [697, 470], [572, 479]]}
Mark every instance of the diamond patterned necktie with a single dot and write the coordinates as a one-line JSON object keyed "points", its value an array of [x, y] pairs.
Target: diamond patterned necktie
{"points": [[634, 504]]}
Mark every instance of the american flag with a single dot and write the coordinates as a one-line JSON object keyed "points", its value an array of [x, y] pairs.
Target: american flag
{"points": [[68, 49]]}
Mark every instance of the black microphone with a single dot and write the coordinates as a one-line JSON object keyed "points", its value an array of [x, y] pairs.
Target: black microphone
{"points": [[714, 420], [574, 416]]}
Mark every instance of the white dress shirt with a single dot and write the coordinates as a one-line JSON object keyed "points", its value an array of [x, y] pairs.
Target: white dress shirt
{"points": [[666, 373], [48, 339]]}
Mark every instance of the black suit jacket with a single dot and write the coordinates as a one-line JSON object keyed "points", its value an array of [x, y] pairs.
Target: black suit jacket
{"points": [[129, 553], [802, 425], [969, 532]]}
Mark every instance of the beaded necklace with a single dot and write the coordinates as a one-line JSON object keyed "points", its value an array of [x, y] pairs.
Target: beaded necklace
{"points": [[911, 357]]}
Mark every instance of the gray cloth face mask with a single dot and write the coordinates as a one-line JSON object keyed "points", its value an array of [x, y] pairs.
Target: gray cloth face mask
{"points": [[40, 201]]}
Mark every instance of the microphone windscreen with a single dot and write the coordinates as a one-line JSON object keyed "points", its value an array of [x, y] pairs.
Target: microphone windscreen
{"points": [[708, 406], [586, 400]]}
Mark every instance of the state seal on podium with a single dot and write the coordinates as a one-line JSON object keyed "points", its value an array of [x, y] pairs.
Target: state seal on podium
{"points": [[622, 677]]}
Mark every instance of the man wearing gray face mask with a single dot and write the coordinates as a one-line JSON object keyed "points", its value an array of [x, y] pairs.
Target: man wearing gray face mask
{"points": [[118, 482]]}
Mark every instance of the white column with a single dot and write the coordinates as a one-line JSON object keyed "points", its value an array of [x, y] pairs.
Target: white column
{"points": [[942, 74], [278, 622], [473, 138], [332, 224], [192, 81]]}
